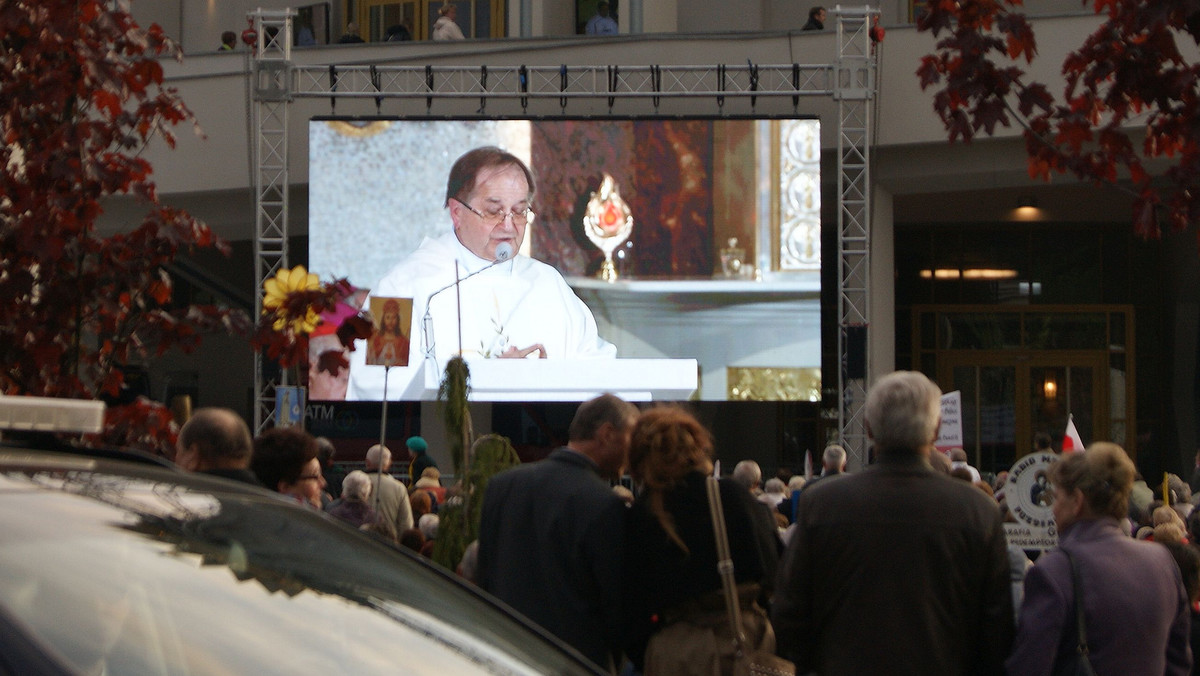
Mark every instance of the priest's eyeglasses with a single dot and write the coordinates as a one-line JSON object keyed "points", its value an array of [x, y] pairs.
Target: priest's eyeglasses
{"points": [[496, 217]]}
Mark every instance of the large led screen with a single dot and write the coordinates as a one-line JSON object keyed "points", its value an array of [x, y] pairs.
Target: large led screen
{"points": [[681, 244]]}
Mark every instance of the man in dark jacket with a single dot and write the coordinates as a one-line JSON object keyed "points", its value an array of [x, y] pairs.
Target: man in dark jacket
{"points": [[896, 569], [552, 532]]}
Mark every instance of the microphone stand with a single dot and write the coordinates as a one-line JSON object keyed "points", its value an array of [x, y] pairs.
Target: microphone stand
{"points": [[504, 253]]}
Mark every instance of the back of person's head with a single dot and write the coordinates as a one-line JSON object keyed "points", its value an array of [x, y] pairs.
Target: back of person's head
{"points": [[430, 477], [421, 501], [413, 539], [326, 451], [775, 485], [594, 413], [428, 523], [383, 528], [902, 412], [1169, 532], [1187, 557], [1103, 473], [379, 456], [796, 483], [1001, 479], [417, 445], [229, 38], [465, 172], [667, 444], [1178, 491], [356, 486], [747, 473], [1042, 442], [1164, 514], [834, 457], [220, 436], [958, 455], [280, 454]]}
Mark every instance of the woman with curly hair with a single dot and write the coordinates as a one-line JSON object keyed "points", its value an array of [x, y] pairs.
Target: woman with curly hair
{"points": [[672, 582]]}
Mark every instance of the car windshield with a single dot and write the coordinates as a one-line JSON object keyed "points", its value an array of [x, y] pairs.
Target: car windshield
{"points": [[138, 572]]}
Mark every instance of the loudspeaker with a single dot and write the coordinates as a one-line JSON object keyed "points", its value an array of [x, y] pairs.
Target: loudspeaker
{"points": [[856, 351]]}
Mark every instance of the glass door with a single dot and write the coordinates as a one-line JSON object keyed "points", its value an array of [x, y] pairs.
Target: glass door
{"points": [[1008, 396]]}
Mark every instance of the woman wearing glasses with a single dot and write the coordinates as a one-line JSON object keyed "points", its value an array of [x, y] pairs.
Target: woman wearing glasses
{"points": [[285, 460]]}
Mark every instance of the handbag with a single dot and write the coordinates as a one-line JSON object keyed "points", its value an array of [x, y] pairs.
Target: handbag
{"points": [[747, 661], [1080, 664]]}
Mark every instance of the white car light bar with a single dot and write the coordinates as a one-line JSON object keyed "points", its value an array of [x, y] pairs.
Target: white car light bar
{"points": [[47, 414]]}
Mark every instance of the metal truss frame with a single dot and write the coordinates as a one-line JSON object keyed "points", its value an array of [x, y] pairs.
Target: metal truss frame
{"points": [[854, 92], [532, 84], [850, 80], [271, 89]]}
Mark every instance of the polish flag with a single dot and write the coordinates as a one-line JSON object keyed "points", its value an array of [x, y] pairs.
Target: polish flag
{"points": [[1071, 441]]}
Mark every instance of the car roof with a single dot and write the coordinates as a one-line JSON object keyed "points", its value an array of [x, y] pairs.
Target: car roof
{"points": [[75, 526]]}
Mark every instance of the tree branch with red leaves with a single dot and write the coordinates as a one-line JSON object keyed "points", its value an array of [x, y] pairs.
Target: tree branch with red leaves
{"points": [[1129, 97], [83, 95]]}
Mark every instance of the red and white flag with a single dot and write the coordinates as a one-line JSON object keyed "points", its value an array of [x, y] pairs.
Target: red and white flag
{"points": [[1071, 441]]}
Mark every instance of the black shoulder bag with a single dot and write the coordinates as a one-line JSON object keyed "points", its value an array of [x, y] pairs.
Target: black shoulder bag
{"points": [[1081, 665]]}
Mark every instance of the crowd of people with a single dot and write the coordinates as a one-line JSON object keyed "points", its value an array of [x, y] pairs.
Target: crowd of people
{"points": [[900, 567], [290, 461]]}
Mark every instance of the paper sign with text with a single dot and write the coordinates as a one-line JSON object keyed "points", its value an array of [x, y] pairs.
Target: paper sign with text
{"points": [[950, 433]]}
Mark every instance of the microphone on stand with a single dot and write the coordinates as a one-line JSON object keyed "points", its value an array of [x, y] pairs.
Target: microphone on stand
{"points": [[504, 251]]}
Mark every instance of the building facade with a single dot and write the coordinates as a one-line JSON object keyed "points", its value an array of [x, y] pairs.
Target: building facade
{"points": [[1034, 300]]}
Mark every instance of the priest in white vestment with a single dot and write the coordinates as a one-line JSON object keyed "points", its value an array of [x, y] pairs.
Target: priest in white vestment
{"points": [[518, 308]]}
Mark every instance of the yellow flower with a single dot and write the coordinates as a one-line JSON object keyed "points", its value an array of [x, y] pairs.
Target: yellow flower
{"points": [[279, 287], [285, 282]]}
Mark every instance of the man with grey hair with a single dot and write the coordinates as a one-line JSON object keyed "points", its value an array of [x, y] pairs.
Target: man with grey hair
{"points": [[833, 460], [389, 497], [896, 555], [749, 475], [354, 507], [216, 441]]}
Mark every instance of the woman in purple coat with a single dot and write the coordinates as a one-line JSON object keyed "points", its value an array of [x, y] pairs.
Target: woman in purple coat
{"points": [[1135, 606]]}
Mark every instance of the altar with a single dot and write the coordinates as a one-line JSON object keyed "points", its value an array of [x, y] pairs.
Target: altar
{"points": [[751, 339]]}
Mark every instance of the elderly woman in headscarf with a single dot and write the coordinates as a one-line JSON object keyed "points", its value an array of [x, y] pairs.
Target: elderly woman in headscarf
{"points": [[1135, 608], [672, 581]]}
